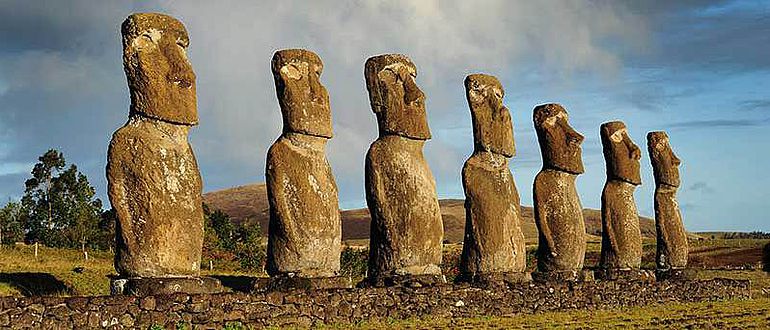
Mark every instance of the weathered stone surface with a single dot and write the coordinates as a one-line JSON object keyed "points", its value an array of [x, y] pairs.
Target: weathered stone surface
{"points": [[153, 179], [317, 307], [495, 280], [155, 187], [559, 142], [404, 280], [494, 241], [625, 275], [395, 97], [288, 283], [169, 285], [584, 275], [558, 212], [672, 249], [621, 154], [406, 230], [160, 77], [303, 99], [305, 232], [621, 234], [492, 126]]}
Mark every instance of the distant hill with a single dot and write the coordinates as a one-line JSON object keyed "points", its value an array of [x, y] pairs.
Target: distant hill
{"points": [[249, 203]]}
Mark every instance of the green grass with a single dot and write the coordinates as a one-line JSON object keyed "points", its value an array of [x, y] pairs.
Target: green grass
{"points": [[57, 264], [53, 272], [743, 314]]}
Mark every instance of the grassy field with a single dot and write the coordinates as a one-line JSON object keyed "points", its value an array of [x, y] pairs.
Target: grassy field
{"points": [[738, 314], [65, 272]]}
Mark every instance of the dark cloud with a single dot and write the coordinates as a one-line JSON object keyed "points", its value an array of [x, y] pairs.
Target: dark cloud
{"points": [[712, 35], [755, 105], [727, 123], [701, 186]]}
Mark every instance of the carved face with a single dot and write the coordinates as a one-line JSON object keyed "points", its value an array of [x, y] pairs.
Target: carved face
{"points": [[665, 164], [559, 142], [160, 77], [620, 153], [492, 127], [304, 101], [395, 98]]}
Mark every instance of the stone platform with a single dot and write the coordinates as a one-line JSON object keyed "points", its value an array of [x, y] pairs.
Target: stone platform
{"points": [[315, 307], [407, 281], [494, 280], [164, 286], [641, 275], [288, 283], [583, 275]]}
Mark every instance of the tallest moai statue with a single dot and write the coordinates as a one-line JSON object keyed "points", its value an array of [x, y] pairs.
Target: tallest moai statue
{"points": [[406, 230], [153, 179], [558, 212]]}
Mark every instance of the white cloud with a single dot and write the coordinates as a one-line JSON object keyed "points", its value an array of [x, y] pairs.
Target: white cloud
{"points": [[232, 43]]}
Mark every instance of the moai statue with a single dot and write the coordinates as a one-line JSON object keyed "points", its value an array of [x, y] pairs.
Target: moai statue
{"points": [[153, 179], [558, 212], [406, 230], [493, 251], [621, 235], [672, 249], [305, 232]]}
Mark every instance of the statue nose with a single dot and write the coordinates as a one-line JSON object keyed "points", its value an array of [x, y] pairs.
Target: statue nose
{"points": [[317, 91], [573, 136], [412, 93], [180, 73]]}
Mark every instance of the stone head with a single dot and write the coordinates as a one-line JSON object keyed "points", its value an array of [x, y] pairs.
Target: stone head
{"points": [[559, 142], [620, 153], [492, 126], [304, 101], [394, 96], [665, 164], [160, 77]]}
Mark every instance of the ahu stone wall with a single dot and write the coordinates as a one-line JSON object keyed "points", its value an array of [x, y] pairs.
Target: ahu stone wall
{"points": [[306, 308]]}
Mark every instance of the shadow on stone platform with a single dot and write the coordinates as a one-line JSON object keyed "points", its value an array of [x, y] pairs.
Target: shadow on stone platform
{"points": [[236, 283], [36, 284]]}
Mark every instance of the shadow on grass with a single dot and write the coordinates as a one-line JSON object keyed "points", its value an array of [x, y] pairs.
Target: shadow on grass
{"points": [[236, 283], [35, 284]]}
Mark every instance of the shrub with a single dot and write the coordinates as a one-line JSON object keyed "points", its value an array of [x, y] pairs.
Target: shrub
{"points": [[354, 262]]}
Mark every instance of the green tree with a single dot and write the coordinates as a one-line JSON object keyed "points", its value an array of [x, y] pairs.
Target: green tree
{"points": [[77, 209], [249, 247], [242, 243], [221, 225], [11, 223], [37, 196], [107, 223], [62, 210]]}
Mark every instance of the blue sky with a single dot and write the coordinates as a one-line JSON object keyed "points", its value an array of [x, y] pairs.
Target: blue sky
{"points": [[697, 69]]}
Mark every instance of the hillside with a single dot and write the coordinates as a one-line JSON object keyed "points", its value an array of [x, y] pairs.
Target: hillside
{"points": [[249, 203]]}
